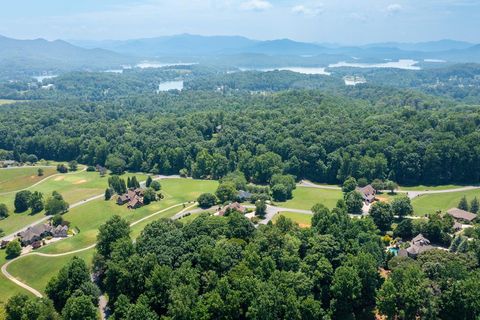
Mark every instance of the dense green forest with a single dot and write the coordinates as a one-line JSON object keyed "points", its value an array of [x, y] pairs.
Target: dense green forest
{"points": [[365, 132], [225, 268]]}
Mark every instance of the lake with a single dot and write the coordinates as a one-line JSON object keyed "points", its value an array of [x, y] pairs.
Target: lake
{"points": [[170, 85], [303, 70], [156, 65], [406, 64], [41, 78]]}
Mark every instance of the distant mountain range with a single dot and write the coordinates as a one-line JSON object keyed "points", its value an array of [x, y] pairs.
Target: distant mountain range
{"points": [[27, 57], [187, 45], [430, 46], [33, 56], [194, 45]]}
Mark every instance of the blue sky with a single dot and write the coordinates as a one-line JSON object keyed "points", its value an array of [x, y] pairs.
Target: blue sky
{"points": [[340, 21]]}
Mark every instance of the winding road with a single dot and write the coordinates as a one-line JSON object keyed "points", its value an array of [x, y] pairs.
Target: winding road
{"points": [[41, 181], [55, 255], [410, 194], [77, 204], [271, 212]]}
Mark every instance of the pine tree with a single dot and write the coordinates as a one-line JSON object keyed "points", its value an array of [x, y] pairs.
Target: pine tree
{"points": [[149, 181], [134, 182], [463, 204], [108, 194], [129, 183], [474, 205]]}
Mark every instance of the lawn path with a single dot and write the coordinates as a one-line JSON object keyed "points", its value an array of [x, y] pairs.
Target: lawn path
{"points": [[77, 204], [43, 180], [54, 255], [411, 194]]}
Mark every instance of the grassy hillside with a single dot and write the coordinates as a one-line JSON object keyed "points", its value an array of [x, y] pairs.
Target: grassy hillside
{"points": [[19, 178]]}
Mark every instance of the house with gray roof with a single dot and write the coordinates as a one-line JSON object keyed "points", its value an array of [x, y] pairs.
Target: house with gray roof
{"points": [[461, 215], [35, 233], [368, 193], [418, 245]]}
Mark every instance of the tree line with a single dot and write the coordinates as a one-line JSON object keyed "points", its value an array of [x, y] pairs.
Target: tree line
{"points": [[409, 139]]}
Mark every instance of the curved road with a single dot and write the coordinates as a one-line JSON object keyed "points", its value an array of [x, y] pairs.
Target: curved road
{"points": [[43, 180], [53, 255], [410, 194], [271, 212], [77, 204]]}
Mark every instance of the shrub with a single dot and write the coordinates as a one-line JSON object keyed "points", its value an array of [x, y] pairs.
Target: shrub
{"points": [[155, 185], [206, 200], [3, 211], [14, 249]]}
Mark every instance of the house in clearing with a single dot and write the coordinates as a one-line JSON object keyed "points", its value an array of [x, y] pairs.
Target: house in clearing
{"points": [[35, 233], [368, 193], [232, 206], [418, 245], [133, 198], [461, 215]]}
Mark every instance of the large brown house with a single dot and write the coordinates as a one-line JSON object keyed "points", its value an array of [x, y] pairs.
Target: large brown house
{"points": [[133, 198]]}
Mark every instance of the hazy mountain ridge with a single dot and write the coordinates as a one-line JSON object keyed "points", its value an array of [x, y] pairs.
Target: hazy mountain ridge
{"points": [[28, 57], [187, 45], [39, 55]]}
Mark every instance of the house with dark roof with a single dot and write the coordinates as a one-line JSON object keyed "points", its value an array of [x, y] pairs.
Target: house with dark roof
{"points": [[368, 193], [133, 198], [418, 245], [461, 215], [122, 199], [35, 233]]}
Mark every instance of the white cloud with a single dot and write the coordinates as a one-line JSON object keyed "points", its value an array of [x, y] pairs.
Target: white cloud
{"points": [[258, 5], [307, 10], [394, 8]]}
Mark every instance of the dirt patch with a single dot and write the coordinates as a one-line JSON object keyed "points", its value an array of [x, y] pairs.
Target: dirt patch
{"points": [[383, 199], [384, 273], [304, 225], [33, 177], [60, 178], [80, 182]]}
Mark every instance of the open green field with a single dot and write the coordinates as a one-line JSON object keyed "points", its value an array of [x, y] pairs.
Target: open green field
{"points": [[89, 217], [8, 288], [43, 268], [431, 188], [431, 203], [74, 187], [36, 271], [305, 198], [14, 179], [303, 220]]}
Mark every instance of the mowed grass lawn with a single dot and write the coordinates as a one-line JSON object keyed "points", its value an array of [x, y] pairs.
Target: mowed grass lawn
{"points": [[8, 288], [305, 198], [89, 217], [74, 187], [36, 271], [431, 188], [431, 203], [13, 179], [303, 220]]}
